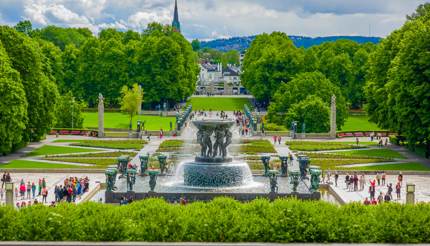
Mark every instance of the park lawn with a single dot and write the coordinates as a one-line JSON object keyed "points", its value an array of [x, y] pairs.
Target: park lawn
{"points": [[410, 166], [104, 154], [23, 164], [383, 153], [170, 145], [320, 145], [251, 147], [116, 120], [98, 162], [67, 141], [359, 123], [218, 103], [112, 144], [53, 150], [334, 164]]}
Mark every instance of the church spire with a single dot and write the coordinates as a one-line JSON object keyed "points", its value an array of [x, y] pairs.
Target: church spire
{"points": [[175, 24]]}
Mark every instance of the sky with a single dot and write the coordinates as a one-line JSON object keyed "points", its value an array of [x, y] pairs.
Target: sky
{"points": [[211, 19]]}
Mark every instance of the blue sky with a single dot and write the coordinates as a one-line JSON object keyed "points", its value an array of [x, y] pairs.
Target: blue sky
{"points": [[209, 19]]}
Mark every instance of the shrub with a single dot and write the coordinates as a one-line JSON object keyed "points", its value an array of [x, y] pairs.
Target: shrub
{"points": [[274, 127], [221, 220]]}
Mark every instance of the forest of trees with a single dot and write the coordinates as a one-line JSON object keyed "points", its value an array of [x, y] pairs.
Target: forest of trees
{"points": [[390, 80], [45, 71]]}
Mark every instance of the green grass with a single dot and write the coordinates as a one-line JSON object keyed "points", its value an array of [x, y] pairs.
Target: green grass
{"points": [[52, 150], [256, 146], [170, 145], [359, 123], [412, 166], [112, 144], [67, 141], [98, 162], [218, 103], [333, 164], [122, 121], [383, 153], [315, 146], [24, 164], [105, 154]]}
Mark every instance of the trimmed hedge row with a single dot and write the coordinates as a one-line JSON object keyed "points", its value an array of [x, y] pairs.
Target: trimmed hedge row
{"points": [[222, 220]]}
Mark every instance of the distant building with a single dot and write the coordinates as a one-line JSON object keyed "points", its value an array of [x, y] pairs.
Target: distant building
{"points": [[176, 24], [215, 80]]}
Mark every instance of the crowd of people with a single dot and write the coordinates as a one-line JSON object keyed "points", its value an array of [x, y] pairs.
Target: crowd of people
{"points": [[71, 189], [357, 182], [243, 123], [28, 192]]}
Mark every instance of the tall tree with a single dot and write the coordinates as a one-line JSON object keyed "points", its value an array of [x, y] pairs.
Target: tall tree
{"points": [[298, 89], [131, 101], [41, 93], [25, 27], [13, 106], [270, 61], [69, 112], [398, 89]]}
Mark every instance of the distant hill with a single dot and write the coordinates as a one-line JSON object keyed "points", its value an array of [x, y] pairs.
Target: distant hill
{"points": [[242, 43]]}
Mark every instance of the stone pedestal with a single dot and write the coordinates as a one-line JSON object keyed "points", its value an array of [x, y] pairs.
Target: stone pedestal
{"points": [[333, 117], [9, 193], [101, 110]]}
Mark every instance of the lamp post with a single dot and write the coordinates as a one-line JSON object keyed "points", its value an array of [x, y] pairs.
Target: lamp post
{"points": [[410, 193], [9, 193]]}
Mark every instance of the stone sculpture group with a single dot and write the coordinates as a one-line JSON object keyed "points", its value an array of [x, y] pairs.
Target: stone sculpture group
{"points": [[219, 147]]}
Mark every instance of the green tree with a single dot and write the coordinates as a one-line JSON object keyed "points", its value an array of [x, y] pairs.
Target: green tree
{"points": [[298, 89], [61, 37], [398, 91], [195, 44], [41, 93], [131, 100], [70, 71], [69, 112], [271, 61], [13, 106], [25, 27], [230, 57], [312, 111]]}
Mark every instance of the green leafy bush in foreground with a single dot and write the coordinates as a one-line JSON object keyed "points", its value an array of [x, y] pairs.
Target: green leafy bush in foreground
{"points": [[222, 220]]}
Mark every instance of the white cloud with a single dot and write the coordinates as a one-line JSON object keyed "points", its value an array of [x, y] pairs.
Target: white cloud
{"points": [[219, 18]]}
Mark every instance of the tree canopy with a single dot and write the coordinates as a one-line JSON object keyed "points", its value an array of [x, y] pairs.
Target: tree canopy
{"points": [[398, 89]]}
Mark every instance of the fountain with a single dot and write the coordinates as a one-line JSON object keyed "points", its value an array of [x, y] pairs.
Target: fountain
{"points": [[213, 167], [210, 173]]}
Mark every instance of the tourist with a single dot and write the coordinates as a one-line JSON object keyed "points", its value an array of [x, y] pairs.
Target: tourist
{"points": [[398, 190], [22, 189], [39, 187], [161, 133], [28, 190], [347, 181], [386, 142], [362, 182], [384, 176], [372, 191], [357, 140], [336, 177], [387, 198], [44, 194], [378, 179], [33, 190], [390, 190], [274, 139], [279, 140], [366, 201], [374, 202], [380, 198], [355, 181], [400, 178]]}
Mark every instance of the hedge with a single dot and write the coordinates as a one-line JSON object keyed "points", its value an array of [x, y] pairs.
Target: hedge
{"points": [[222, 220]]}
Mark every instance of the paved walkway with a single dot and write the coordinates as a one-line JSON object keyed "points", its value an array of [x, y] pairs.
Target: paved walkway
{"points": [[422, 193]]}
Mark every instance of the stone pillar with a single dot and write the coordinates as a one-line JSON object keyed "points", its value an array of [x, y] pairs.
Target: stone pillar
{"points": [[101, 111], [333, 117], [9, 193]]}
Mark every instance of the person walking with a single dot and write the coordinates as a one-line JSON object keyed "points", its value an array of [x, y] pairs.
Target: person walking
{"points": [[279, 140], [22, 189], [362, 182], [28, 189], [336, 177], [33, 189], [39, 187], [274, 139], [384, 176], [44, 194], [378, 179], [398, 190], [390, 191]]}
